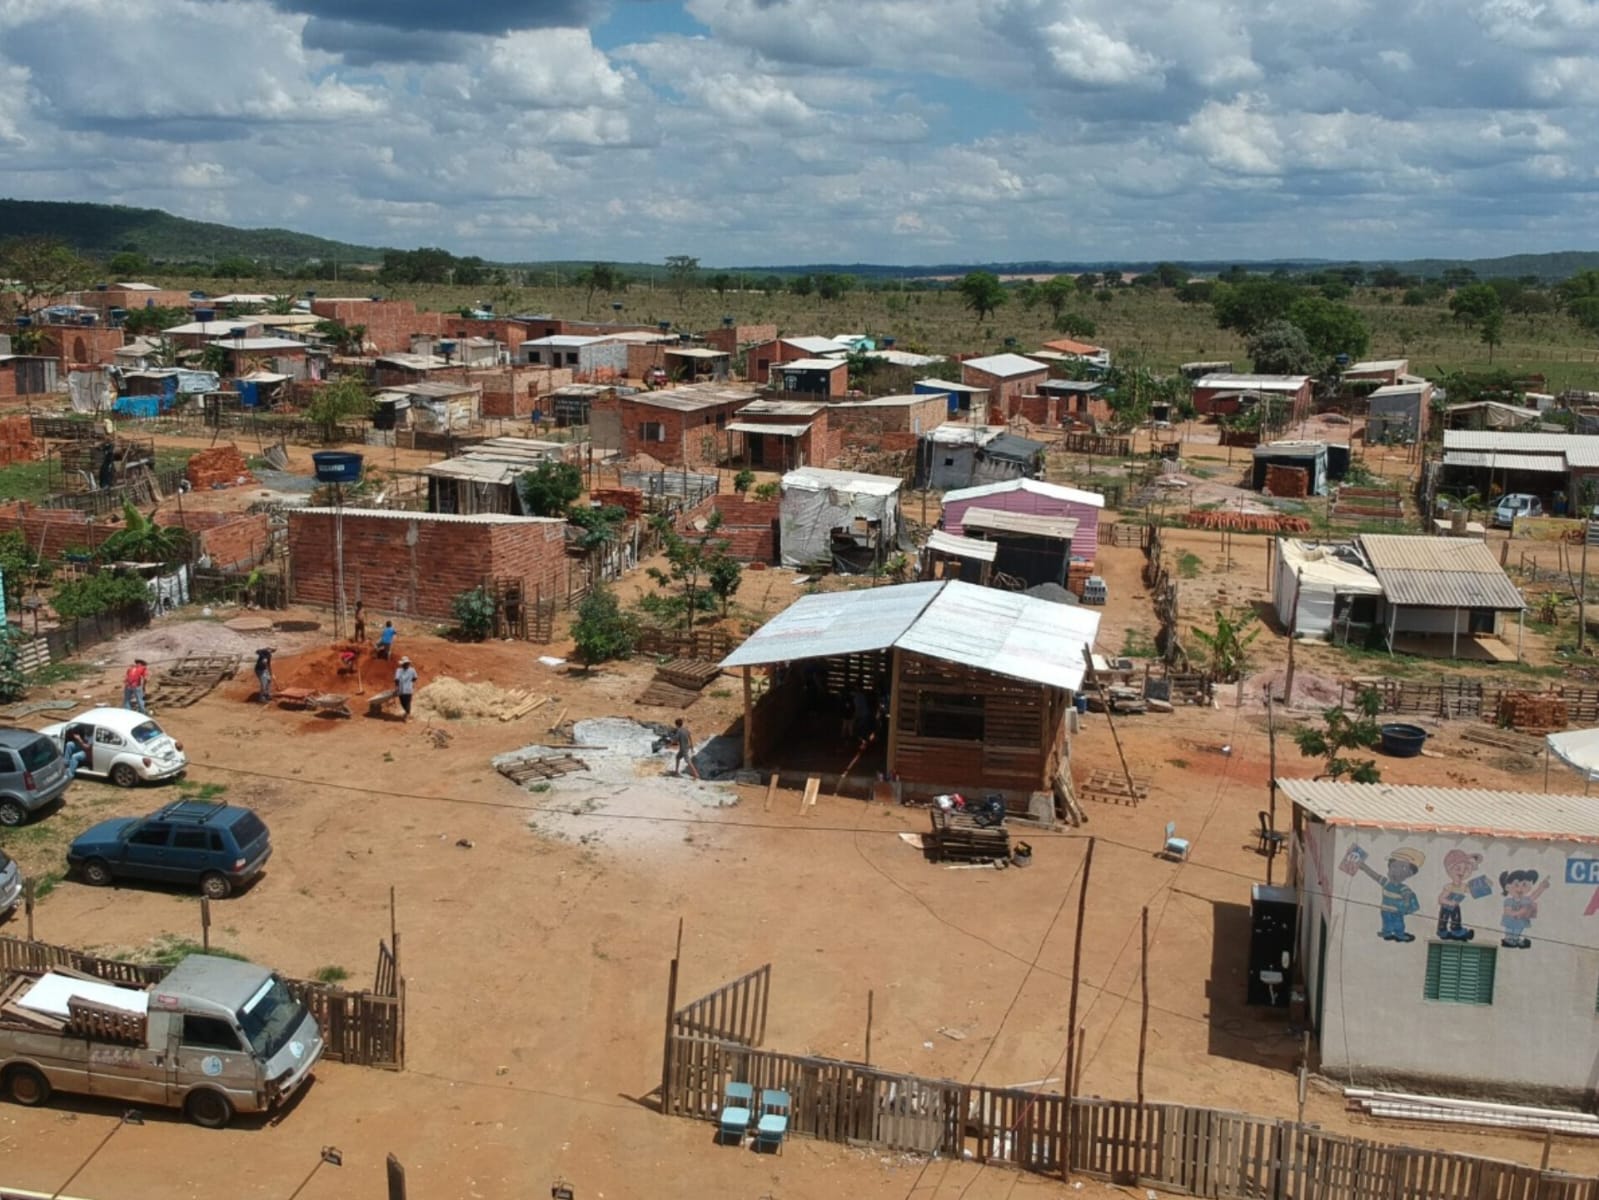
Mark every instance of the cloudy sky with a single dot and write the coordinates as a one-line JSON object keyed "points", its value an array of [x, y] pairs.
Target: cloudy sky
{"points": [[776, 131]]}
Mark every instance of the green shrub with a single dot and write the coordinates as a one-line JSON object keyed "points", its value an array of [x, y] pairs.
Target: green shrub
{"points": [[474, 613]]}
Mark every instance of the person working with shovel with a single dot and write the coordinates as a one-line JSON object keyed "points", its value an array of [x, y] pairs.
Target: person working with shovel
{"points": [[263, 673]]}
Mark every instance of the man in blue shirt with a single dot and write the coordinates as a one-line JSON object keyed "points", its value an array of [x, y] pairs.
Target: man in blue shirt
{"points": [[386, 639]]}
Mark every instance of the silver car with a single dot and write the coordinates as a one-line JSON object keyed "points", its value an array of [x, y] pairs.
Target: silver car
{"points": [[32, 774], [10, 884]]}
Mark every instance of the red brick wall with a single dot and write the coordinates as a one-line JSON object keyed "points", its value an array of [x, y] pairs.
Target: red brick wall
{"points": [[389, 323], [51, 530], [1004, 393], [645, 358], [17, 443], [8, 382], [451, 556], [686, 433], [82, 344], [629, 499], [729, 340], [749, 526], [234, 541], [510, 334]]}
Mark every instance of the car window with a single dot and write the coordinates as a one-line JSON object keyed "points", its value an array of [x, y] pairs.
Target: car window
{"points": [[8, 764], [40, 752], [247, 828], [189, 839], [216, 841], [150, 835], [209, 1033], [146, 731], [107, 737]]}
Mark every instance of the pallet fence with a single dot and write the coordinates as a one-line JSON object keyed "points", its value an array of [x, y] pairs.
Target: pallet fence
{"points": [[1181, 1148], [1463, 697]]}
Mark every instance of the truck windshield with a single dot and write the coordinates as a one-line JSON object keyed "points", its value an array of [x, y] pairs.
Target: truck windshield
{"points": [[269, 1017]]}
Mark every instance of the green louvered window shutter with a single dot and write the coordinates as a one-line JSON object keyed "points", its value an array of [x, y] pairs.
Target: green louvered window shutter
{"points": [[1459, 974]]}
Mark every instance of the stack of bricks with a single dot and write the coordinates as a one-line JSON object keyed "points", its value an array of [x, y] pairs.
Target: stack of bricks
{"points": [[1530, 712], [1077, 574], [1291, 483], [17, 443], [219, 467]]}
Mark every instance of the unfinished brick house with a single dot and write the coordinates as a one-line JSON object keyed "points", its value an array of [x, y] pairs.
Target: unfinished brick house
{"points": [[779, 434], [1008, 377], [679, 426], [763, 356], [731, 339], [83, 345], [415, 564], [390, 324], [749, 526]]}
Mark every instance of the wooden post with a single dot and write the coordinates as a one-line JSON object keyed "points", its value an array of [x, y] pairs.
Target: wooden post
{"points": [[1143, 1019], [666, 1049], [1071, 1016], [205, 924], [749, 722], [27, 893], [895, 672], [396, 1179], [868, 1027]]}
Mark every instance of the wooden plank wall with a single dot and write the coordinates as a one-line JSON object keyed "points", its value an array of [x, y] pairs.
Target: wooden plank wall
{"points": [[1179, 1148], [734, 1012], [1022, 726]]}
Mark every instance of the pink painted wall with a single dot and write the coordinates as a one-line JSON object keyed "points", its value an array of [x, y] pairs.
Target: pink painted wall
{"points": [[1085, 542]]}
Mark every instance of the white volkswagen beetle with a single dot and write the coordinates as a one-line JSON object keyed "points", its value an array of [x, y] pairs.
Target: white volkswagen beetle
{"points": [[124, 746]]}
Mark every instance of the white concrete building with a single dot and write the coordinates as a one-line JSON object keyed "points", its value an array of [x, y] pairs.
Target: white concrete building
{"points": [[1449, 938]]}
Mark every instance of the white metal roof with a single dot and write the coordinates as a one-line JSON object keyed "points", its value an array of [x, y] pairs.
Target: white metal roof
{"points": [[1552, 464], [949, 385], [1399, 389], [695, 352], [213, 328], [1377, 364], [814, 345], [904, 358], [387, 514], [1255, 383], [1439, 572], [902, 400], [1508, 442], [998, 520], [1010, 634], [767, 427], [816, 479], [961, 547], [568, 340], [782, 408], [1037, 486], [810, 364], [259, 343], [1479, 811], [954, 434], [1004, 365]]}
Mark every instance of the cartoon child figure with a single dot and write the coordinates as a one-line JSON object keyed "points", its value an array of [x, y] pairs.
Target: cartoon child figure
{"points": [[1521, 890], [1398, 901], [1458, 865]]}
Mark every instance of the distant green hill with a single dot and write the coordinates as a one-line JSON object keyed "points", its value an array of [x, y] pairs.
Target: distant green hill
{"points": [[101, 230]]}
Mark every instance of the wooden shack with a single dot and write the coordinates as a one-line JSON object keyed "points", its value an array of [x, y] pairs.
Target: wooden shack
{"points": [[967, 688]]}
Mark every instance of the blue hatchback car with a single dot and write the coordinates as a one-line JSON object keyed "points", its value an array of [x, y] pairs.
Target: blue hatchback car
{"points": [[215, 847]]}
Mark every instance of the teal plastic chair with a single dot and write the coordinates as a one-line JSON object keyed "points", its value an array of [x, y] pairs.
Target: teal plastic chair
{"points": [[734, 1120], [773, 1125]]}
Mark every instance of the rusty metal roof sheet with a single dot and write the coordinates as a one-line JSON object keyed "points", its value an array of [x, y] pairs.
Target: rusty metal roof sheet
{"points": [[997, 520], [1439, 572], [1482, 811]]}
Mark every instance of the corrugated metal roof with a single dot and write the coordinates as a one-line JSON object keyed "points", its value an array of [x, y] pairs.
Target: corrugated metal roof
{"points": [[1553, 464], [1400, 389], [784, 408], [1004, 365], [1507, 443], [388, 514], [1447, 810], [1438, 572], [1053, 490], [813, 345], [959, 435], [1014, 447], [904, 400], [1027, 524], [961, 547], [767, 427], [696, 352], [571, 341], [817, 478], [693, 398], [949, 385], [1010, 634], [1377, 364], [1258, 383], [810, 364]]}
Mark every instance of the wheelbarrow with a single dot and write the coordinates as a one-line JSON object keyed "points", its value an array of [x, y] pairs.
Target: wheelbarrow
{"points": [[332, 704]]}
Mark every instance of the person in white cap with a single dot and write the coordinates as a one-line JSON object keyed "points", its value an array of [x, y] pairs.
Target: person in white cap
{"points": [[405, 684]]}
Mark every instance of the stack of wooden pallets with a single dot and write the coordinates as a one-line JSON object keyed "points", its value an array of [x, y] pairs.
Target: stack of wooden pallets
{"points": [[957, 837]]}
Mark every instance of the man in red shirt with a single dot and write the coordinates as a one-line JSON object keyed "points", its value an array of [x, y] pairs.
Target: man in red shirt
{"points": [[133, 686]]}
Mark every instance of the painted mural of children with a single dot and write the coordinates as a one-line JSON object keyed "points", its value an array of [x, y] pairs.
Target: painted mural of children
{"points": [[1458, 865], [1398, 901], [1521, 889]]}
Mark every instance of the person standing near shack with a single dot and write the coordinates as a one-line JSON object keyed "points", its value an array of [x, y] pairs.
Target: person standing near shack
{"points": [[386, 639], [405, 684], [360, 621], [683, 741], [133, 686], [263, 673]]}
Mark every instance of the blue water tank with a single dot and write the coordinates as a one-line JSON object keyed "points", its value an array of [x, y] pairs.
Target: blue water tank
{"points": [[336, 466], [446, 348], [205, 314], [88, 318]]}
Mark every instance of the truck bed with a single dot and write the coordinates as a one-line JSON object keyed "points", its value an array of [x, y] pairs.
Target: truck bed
{"points": [[86, 1018]]}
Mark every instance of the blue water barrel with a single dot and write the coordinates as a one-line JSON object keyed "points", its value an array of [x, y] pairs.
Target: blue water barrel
{"points": [[336, 466], [1403, 741]]}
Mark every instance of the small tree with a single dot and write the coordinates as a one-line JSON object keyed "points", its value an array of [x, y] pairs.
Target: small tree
{"points": [[1056, 294], [474, 613], [142, 540], [1075, 325], [725, 574], [743, 481], [549, 489], [982, 292], [689, 562], [343, 399], [600, 525], [1342, 731], [602, 631], [681, 271], [11, 678], [1227, 645], [1281, 348]]}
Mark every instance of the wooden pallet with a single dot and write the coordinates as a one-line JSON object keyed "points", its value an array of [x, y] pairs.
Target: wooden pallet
{"points": [[688, 673], [188, 679], [1110, 787], [661, 694], [17, 711], [544, 767], [956, 837], [1503, 739]]}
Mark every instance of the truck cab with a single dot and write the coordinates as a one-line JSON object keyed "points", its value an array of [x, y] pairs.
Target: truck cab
{"points": [[214, 1037]]}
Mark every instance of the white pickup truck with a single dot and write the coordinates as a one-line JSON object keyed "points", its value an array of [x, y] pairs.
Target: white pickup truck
{"points": [[214, 1037]]}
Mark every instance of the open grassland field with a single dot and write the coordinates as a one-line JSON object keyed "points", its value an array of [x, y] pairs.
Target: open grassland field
{"points": [[1153, 327]]}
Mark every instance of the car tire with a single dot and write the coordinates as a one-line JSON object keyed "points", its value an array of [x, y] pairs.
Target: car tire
{"points": [[27, 1086], [215, 886], [124, 776], [208, 1109], [12, 814], [97, 873]]}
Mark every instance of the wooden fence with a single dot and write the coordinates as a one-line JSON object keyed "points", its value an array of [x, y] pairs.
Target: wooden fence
{"points": [[78, 633], [1455, 697], [734, 1012], [365, 1028], [708, 645]]}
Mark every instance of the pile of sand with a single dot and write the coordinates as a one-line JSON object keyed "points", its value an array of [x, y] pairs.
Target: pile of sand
{"points": [[451, 700]]}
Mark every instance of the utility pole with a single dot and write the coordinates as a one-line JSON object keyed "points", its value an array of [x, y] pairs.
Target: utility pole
{"points": [[1071, 1015]]}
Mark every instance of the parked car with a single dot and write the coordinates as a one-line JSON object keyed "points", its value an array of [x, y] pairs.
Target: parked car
{"points": [[215, 847], [32, 774], [124, 746], [10, 884], [216, 1036], [1516, 504]]}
